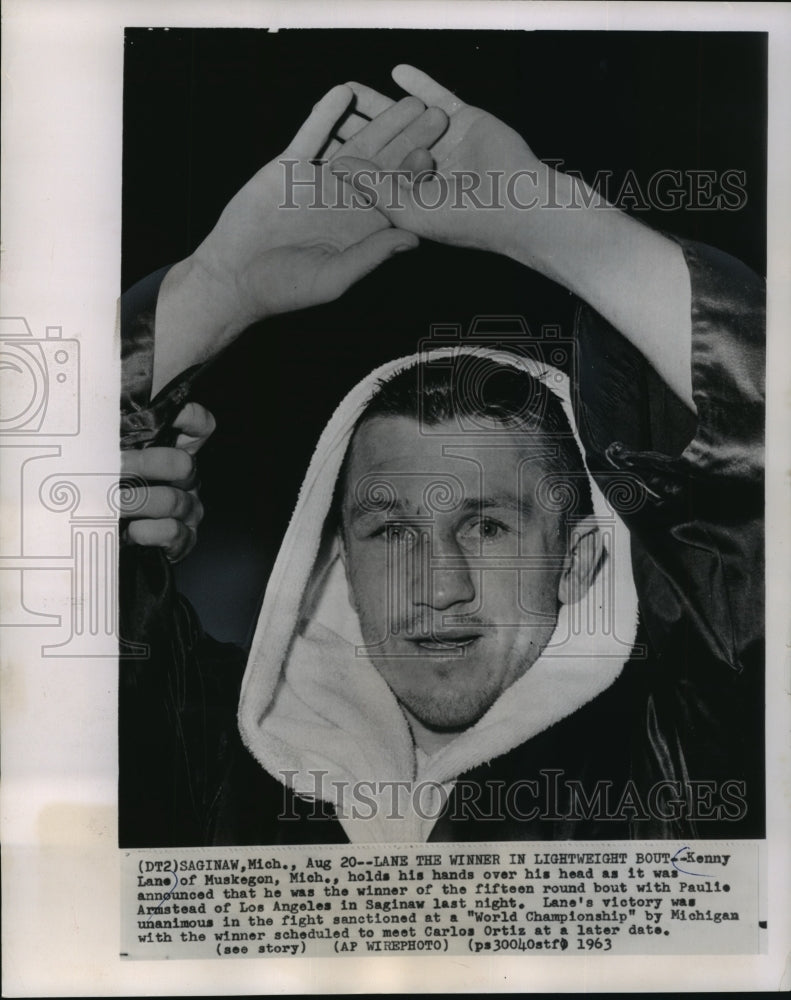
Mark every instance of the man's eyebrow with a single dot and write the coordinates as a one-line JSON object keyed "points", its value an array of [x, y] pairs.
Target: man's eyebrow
{"points": [[374, 506], [506, 501]]}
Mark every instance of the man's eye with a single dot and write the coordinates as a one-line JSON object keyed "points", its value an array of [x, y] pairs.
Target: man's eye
{"points": [[486, 529]]}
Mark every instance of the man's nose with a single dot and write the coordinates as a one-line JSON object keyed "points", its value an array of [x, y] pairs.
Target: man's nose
{"points": [[442, 576]]}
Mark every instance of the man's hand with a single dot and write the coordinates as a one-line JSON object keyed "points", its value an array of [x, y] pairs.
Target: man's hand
{"points": [[474, 148], [164, 510], [634, 277], [263, 258]]}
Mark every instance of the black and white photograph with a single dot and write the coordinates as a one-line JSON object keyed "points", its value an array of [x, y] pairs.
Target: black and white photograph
{"points": [[468, 380]]}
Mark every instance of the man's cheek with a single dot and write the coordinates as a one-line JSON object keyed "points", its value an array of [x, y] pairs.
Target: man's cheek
{"points": [[368, 588]]}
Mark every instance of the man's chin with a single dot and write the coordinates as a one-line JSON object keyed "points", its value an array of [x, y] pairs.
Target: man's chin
{"points": [[446, 689], [442, 717]]}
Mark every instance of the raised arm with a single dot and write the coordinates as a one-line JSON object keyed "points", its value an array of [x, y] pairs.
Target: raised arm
{"points": [[283, 243]]}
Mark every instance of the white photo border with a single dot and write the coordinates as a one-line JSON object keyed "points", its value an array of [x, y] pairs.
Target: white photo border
{"points": [[61, 216]]}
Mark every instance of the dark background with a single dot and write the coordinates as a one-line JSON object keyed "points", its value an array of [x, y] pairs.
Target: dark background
{"points": [[205, 108]]}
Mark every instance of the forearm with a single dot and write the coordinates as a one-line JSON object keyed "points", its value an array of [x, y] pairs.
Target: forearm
{"points": [[634, 277], [196, 317], [147, 414]]}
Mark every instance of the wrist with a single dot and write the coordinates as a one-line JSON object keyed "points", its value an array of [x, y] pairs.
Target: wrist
{"points": [[536, 223], [197, 315], [567, 231], [513, 215], [219, 292]]}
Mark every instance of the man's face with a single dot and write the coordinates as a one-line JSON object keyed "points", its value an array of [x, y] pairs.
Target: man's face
{"points": [[453, 566]]}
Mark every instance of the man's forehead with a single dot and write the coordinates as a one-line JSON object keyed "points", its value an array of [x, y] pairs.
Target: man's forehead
{"points": [[397, 460], [393, 441]]}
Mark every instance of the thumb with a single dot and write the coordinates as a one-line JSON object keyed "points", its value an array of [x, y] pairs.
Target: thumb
{"points": [[196, 425], [387, 190], [343, 270]]}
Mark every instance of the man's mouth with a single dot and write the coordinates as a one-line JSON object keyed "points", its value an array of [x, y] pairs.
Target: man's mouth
{"points": [[448, 644]]}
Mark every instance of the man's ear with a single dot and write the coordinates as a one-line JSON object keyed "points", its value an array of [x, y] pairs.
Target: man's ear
{"points": [[583, 562]]}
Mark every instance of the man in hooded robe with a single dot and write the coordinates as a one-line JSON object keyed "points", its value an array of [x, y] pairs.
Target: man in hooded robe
{"points": [[500, 611]]}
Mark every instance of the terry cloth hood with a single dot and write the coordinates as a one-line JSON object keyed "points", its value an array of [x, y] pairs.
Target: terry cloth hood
{"points": [[316, 714]]}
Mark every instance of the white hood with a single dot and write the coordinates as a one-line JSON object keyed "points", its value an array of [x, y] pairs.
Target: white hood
{"points": [[311, 702]]}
